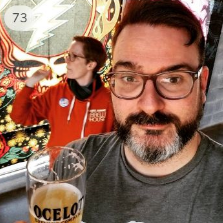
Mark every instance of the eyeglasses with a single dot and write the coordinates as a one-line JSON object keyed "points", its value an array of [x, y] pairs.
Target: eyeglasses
{"points": [[170, 85], [71, 56]]}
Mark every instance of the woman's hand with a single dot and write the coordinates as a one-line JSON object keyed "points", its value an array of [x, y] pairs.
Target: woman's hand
{"points": [[39, 75]]}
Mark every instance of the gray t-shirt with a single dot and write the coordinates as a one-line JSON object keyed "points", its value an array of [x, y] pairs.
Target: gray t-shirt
{"points": [[116, 193]]}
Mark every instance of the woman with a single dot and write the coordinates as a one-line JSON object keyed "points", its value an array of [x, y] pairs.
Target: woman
{"points": [[76, 108]]}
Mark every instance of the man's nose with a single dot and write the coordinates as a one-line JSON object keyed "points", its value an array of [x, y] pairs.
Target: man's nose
{"points": [[150, 101]]}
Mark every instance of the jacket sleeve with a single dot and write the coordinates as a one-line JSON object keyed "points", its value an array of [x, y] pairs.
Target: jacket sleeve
{"points": [[28, 111]]}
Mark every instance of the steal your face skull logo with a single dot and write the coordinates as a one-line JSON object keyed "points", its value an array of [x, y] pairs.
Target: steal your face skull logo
{"points": [[34, 33]]}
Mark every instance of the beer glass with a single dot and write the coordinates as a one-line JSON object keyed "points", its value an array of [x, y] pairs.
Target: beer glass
{"points": [[56, 179]]}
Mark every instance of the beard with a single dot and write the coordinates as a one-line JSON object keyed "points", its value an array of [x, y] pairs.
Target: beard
{"points": [[155, 146]]}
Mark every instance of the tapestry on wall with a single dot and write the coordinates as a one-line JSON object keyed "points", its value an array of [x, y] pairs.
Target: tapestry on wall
{"points": [[35, 33]]}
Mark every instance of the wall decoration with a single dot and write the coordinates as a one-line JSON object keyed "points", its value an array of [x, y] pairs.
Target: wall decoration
{"points": [[35, 33]]}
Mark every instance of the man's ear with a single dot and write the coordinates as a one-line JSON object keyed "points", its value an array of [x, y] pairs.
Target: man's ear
{"points": [[91, 65], [204, 82]]}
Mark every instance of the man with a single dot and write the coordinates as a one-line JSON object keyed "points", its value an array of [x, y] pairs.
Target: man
{"points": [[157, 167], [74, 109]]}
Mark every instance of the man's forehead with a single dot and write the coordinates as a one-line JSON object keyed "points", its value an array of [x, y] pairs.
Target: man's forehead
{"points": [[142, 45], [144, 33]]}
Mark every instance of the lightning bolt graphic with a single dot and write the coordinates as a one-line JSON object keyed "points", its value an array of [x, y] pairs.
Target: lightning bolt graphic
{"points": [[45, 14]]}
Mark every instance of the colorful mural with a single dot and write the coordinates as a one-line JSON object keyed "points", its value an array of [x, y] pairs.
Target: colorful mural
{"points": [[35, 33]]}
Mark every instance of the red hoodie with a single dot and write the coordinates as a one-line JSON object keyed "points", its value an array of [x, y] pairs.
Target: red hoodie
{"points": [[69, 117]]}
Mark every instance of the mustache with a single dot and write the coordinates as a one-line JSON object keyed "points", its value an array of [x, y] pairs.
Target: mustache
{"points": [[142, 118]]}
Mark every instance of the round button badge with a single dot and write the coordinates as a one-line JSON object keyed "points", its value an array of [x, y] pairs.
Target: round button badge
{"points": [[63, 102]]}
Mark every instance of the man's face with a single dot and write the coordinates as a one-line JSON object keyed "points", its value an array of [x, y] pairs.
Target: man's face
{"points": [[152, 127]]}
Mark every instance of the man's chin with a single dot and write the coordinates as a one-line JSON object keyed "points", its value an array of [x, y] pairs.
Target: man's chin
{"points": [[154, 148], [154, 138]]}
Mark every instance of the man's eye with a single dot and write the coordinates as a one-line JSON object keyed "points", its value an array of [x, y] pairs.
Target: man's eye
{"points": [[172, 80]]}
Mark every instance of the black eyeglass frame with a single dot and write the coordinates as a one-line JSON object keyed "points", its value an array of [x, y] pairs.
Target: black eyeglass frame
{"points": [[68, 55], [194, 74]]}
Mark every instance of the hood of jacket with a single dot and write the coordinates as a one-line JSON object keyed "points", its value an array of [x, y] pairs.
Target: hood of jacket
{"points": [[84, 92]]}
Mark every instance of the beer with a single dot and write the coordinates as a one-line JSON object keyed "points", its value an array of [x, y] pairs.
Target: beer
{"points": [[59, 203], [56, 187]]}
